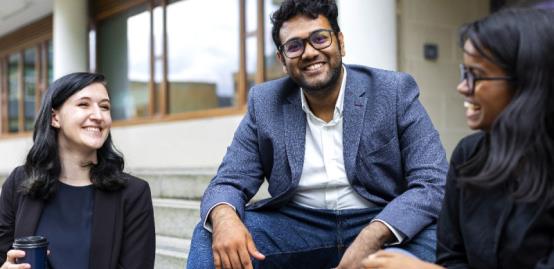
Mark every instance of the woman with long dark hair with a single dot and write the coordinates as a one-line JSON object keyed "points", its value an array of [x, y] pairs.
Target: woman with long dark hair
{"points": [[499, 202], [72, 188]]}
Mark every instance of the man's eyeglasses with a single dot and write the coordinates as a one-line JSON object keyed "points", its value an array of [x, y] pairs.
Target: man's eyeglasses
{"points": [[319, 40], [466, 73]]}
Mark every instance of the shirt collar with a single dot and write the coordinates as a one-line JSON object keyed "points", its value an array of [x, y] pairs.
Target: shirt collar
{"points": [[338, 105]]}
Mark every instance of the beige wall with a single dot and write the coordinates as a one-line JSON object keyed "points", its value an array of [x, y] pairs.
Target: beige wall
{"points": [[180, 144], [437, 21]]}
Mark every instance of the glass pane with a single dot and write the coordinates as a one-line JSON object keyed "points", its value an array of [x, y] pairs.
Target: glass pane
{"points": [[123, 57], [13, 94], [50, 62], [92, 50], [251, 42], [251, 61], [30, 79], [158, 52], [203, 54], [272, 65], [251, 16]]}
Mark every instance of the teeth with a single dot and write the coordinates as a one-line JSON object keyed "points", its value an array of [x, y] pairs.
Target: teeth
{"points": [[314, 66], [93, 129], [471, 106]]}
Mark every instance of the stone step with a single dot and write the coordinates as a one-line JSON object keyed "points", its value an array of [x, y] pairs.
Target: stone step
{"points": [[188, 184], [176, 183], [171, 252], [176, 217]]}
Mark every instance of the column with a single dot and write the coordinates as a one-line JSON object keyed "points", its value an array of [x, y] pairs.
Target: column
{"points": [[369, 28], [70, 36]]}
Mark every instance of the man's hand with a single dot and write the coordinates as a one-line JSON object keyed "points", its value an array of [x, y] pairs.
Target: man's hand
{"points": [[232, 244], [369, 241], [389, 260]]}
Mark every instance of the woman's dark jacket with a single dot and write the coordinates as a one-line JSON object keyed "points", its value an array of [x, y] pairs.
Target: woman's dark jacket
{"points": [[486, 228], [123, 233]]}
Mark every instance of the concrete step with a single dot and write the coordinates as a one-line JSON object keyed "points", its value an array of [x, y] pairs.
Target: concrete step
{"points": [[176, 183], [188, 184], [176, 217], [171, 252]]}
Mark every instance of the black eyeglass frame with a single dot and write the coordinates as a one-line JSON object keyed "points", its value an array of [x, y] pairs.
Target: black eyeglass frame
{"points": [[467, 74], [307, 40]]}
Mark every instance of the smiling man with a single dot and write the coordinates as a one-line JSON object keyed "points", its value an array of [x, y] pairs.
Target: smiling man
{"points": [[352, 161]]}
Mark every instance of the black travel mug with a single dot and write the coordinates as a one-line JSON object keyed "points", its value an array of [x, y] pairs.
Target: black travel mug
{"points": [[35, 248]]}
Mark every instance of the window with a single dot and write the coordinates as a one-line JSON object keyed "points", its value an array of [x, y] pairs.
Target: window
{"points": [[25, 73], [203, 61], [170, 58], [13, 93], [30, 86], [123, 57], [24, 85]]}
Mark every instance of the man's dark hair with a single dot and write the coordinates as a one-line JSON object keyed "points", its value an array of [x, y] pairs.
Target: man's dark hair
{"points": [[43, 165], [519, 149], [309, 8]]}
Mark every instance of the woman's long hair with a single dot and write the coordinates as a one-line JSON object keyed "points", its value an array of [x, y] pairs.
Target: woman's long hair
{"points": [[518, 151], [43, 165]]}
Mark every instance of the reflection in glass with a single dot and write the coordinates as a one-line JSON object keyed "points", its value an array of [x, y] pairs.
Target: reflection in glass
{"points": [[273, 67], [29, 78], [123, 57], [251, 43], [13, 93], [158, 52], [203, 54], [50, 62]]}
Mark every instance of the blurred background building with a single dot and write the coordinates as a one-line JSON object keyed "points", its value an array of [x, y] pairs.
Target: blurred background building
{"points": [[179, 72]]}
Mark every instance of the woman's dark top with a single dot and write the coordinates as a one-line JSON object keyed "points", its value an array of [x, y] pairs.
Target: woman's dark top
{"points": [[66, 222], [486, 228]]}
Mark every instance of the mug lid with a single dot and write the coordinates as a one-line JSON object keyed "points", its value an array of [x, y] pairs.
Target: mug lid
{"points": [[34, 241]]}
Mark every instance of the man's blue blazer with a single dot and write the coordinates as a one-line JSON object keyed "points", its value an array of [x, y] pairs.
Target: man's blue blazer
{"points": [[392, 153]]}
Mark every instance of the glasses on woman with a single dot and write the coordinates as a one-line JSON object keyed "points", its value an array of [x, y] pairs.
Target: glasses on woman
{"points": [[467, 74], [319, 40]]}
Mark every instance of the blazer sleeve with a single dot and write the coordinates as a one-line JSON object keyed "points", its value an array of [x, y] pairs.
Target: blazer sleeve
{"points": [[8, 209], [139, 238], [240, 174], [450, 243], [423, 162]]}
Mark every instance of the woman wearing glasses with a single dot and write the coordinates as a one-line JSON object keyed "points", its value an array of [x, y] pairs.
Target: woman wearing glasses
{"points": [[499, 203], [72, 188]]}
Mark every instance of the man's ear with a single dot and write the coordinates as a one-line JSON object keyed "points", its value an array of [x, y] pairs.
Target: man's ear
{"points": [[55, 121], [281, 59], [341, 45]]}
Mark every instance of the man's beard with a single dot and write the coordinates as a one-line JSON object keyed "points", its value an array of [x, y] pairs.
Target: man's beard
{"points": [[321, 87]]}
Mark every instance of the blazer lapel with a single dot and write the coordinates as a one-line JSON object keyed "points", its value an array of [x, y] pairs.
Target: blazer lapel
{"points": [[29, 215], [295, 133], [353, 119], [103, 224]]}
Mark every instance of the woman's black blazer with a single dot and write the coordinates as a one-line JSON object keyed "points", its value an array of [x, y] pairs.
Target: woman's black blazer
{"points": [[486, 228], [123, 233]]}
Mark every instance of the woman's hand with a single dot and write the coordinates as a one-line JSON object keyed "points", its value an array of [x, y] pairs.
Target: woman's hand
{"points": [[10, 260], [391, 260]]}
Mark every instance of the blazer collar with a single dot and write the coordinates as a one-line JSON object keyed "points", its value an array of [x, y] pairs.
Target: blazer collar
{"points": [[355, 103], [295, 131]]}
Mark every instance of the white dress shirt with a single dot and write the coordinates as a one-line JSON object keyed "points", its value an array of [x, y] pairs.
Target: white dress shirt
{"points": [[323, 183]]}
